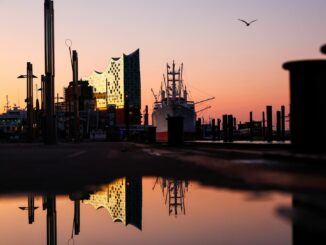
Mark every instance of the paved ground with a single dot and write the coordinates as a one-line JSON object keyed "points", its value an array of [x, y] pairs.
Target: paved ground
{"points": [[70, 167]]}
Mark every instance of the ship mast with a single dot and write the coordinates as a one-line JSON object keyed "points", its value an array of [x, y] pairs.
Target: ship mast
{"points": [[7, 105], [174, 78]]}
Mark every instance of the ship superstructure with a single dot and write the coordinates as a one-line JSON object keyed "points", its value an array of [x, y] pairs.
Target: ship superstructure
{"points": [[12, 121], [173, 102]]}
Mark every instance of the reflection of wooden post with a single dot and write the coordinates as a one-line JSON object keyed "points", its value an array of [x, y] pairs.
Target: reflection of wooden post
{"points": [[44, 202], [77, 217], [51, 221], [31, 209], [309, 210]]}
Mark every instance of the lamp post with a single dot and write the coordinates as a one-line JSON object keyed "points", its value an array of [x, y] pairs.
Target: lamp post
{"points": [[29, 100], [31, 209], [48, 78]]}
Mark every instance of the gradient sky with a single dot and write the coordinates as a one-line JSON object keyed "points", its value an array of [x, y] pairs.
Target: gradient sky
{"points": [[240, 66]]}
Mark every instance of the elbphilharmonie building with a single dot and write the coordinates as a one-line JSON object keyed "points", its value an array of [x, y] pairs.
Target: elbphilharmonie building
{"points": [[118, 83]]}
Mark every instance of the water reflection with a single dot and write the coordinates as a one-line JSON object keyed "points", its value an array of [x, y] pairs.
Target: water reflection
{"points": [[122, 199], [31, 209], [174, 194], [209, 212], [51, 220], [308, 218]]}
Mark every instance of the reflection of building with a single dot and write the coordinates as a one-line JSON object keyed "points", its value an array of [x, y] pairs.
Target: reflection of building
{"points": [[121, 79], [174, 194], [123, 200]]}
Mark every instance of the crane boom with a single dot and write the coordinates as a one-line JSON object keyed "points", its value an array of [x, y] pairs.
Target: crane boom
{"points": [[155, 96], [202, 101], [204, 109]]}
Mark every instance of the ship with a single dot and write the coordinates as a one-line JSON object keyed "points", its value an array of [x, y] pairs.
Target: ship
{"points": [[11, 122], [173, 102]]}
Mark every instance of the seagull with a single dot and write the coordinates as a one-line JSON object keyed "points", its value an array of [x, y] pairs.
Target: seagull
{"points": [[247, 23]]}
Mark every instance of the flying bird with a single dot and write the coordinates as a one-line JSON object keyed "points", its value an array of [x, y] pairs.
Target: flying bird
{"points": [[247, 23]]}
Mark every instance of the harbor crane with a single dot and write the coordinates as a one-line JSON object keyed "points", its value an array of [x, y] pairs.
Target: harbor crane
{"points": [[155, 96], [202, 101], [204, 109]]}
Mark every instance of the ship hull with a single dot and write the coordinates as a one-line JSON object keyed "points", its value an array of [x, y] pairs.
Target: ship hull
{"points": [[160, 115]]}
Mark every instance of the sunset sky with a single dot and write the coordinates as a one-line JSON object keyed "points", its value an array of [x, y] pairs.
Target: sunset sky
{"points": [[240, 66]]}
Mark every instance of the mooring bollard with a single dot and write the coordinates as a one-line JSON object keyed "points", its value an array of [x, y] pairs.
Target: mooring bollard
{"points": [[225, 128], [230, 128], [151, 135], [198, 129], [213, 129], [308, 101], [218, 129], [175, 131], [269, 133], [278, 126], [264, 125], [251, 126], [283, 123]]}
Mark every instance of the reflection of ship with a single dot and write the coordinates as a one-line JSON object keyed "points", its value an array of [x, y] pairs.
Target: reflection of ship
{"points": [[174, 194], [173, 103], [123, 200]]}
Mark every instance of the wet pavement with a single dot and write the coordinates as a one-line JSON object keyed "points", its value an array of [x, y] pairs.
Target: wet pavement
{"points": [[221, 194], [39, 167]]}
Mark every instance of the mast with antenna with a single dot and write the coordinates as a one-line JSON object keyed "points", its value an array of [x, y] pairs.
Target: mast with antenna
{"points": [[7, 107]]}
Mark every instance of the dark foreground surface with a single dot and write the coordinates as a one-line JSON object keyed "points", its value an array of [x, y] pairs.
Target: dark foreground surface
{"points": [[127, 193], [68, 167]]}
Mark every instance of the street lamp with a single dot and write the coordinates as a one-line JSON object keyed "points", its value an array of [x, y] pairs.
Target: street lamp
{"points": [[31, 208], [29, 99]]}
